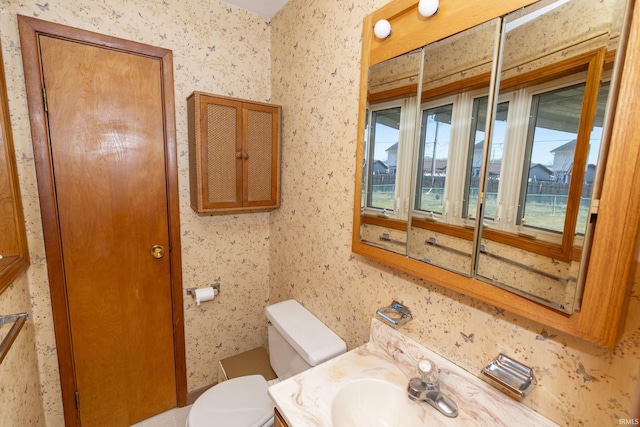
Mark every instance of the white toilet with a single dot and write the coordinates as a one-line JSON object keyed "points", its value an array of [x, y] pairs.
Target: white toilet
{"points": [[297, 341]]}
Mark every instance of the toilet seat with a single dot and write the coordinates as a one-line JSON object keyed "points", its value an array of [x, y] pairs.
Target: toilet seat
{"points": [[238, 402]]}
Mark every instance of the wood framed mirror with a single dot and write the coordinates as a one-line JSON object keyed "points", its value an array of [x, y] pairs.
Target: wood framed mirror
{"points": [[598, 315]]}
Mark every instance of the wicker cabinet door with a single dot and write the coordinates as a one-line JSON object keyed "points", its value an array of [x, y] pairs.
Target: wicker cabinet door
{"points": [[261, 154], [215, 140]]}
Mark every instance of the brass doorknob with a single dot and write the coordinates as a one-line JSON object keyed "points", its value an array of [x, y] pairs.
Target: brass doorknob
{"points": [[157, 251]]}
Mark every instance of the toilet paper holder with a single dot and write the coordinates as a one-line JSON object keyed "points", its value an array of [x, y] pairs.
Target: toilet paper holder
{"points": [[215, 286]]}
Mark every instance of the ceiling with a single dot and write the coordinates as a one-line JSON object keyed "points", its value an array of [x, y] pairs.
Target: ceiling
{"points": [[266, 8]]}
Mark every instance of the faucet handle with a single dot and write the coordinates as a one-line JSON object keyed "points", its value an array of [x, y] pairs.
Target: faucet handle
{"points": [[428, 372]]}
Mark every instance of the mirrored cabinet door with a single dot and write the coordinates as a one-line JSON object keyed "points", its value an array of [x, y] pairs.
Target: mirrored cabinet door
{"points": [[545, 154], [448, 158], [389, 141]]}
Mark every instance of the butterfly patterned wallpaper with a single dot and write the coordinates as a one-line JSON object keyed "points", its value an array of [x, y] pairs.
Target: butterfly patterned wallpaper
{"points": [[217, 48], [305, 58], [315, 56]]}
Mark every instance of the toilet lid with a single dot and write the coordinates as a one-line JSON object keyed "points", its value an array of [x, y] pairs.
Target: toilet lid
{"points": [[240, 402]]}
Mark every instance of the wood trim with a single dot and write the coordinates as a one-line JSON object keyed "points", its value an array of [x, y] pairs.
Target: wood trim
{"points": [[276, 110], [393, 94], [448, 229], [587, 118], [173, 205], [30, 29], [617, 232], [533, 245], [15, 253], [395, 224], [367, 35], [602, 315], [469, 83], [459, 86], [554, 71], [412, 31]]}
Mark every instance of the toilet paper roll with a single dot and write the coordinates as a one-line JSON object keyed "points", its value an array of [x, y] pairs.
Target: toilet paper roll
{"points": [[204, 294]]}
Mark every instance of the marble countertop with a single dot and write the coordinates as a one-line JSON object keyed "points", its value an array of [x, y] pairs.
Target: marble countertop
{"points": [[305, 399]]}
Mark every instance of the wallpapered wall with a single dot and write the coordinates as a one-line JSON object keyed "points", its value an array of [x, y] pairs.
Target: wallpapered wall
{"points": [[216, 48], [316, 48], [302, 250], [19, 373]]}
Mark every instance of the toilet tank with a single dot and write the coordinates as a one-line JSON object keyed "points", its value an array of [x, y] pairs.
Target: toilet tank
{"points": [[298, 340]]}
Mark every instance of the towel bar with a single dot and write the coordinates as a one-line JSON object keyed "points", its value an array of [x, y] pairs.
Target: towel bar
{"points": [[18, 321]]}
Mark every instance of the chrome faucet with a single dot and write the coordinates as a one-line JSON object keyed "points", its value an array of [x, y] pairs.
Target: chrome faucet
{"points": [[426, 388]]}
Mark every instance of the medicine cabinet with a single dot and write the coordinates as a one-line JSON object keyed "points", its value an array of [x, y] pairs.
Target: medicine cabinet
{"points": [[496, 155]]}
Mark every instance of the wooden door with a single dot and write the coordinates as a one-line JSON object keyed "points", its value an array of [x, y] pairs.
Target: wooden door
{"points": [[109, 173]]}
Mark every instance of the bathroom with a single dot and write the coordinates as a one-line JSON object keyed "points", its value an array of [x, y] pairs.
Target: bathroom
{"points": [[305, 58]]}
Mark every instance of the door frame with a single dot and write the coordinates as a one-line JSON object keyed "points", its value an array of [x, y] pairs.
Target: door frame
{"points": [[30, 29]]}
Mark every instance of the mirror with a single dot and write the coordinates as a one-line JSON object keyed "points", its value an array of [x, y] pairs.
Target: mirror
{"points": [[544, 158], [14, 256], [503, 124], [392, 100], [456, 74]]}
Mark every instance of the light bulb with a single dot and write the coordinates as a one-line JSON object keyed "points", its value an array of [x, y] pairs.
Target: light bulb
{"points": [[382, 29], [428, 8]]}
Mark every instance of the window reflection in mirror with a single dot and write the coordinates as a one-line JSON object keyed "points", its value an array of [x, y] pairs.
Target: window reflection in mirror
{"points": [[475, 160], [549, 156], [383, 151], [532, 183], [435, 143], [558, 84], [456, 74], [390, 132]]}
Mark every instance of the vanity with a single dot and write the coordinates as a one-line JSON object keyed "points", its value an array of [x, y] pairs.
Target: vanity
{"points": [[367, 386]]}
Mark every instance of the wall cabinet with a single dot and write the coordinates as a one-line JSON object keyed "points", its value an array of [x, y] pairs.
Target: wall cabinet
{"points": [[234, 154]]}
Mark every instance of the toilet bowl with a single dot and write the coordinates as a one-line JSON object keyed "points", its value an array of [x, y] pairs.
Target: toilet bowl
{"points": [[241, 401], [297, 341]]}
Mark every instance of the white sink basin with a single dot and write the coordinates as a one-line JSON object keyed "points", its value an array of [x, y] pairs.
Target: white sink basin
{"points": [[370, 402]]}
